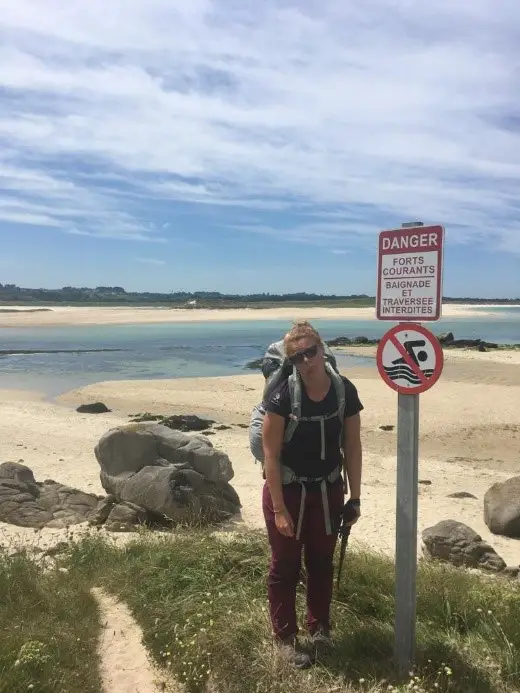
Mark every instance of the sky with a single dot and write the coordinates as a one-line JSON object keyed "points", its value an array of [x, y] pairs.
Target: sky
{"points": [[240, 146]]}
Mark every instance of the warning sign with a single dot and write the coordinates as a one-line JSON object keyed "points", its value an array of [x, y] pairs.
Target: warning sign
{"points": [[410, 274], [410, 359]]}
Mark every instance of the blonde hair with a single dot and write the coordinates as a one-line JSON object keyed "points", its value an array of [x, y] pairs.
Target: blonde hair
{"points": [[301, 330]]}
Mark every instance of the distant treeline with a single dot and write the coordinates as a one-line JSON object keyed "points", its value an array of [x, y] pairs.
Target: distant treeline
{"points": [[117, 295]]}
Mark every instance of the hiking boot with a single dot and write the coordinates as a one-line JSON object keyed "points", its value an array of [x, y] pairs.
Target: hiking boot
{"points": [[321, 638], [291, 652]]}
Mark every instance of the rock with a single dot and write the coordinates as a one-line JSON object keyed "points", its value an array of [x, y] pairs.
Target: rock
{"points": [[457, 543], [502, 508], [387, 427], [511, 571], [255, 365], [26, 503], [101, 512], [220, 427], [125, 517], [447, 340], [19, 505], [187, 422], [138, 418], [67, 505], [446, 337], [462, 494], [173, 476], [16, 471], [93, 408], [182, 422]]}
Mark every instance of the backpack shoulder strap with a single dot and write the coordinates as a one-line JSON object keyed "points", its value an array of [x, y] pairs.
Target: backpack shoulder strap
{"points": [[295, 394], [339, 387]]}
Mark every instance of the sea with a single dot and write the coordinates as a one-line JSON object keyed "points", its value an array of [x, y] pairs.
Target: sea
{"points": [[59, 359]]}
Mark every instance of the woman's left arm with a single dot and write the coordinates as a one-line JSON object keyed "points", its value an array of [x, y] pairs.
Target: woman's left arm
{"points": [[353, 454]]}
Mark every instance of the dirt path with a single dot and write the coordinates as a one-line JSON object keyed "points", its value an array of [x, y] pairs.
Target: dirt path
{"points": [[124, 663]]}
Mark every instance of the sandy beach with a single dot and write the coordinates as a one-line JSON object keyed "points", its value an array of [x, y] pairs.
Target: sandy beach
{"points": [[470, 438], [40, 316]]}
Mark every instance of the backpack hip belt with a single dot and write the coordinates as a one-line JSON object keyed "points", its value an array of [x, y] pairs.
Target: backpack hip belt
{"points": [[289, 477]]}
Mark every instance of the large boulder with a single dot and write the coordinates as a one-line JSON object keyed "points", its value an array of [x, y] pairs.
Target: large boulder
{"points": [[27, 503], [174, 476], [457, 543], [502, 508]]}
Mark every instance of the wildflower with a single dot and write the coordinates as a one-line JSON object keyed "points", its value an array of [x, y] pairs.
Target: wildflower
{"points": [[361, 681]]}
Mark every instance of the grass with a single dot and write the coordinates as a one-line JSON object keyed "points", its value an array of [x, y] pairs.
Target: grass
{"points": [[201, 602], [48, 629]]}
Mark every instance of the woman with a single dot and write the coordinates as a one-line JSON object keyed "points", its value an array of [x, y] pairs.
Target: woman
{"points": [[297, 513]]}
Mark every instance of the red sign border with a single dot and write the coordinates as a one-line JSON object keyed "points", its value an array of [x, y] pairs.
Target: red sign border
{"points": [[439, 359], [440, 267]]}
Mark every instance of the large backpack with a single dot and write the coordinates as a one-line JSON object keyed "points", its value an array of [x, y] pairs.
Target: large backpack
{"points": [[276, 368]]}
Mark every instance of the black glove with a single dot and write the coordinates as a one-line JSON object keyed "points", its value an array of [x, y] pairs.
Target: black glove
{"points": [[351, 510]]}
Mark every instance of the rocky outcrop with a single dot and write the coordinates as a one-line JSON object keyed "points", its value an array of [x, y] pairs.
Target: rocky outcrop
{"points": [[502, 508], [458, 544], [352, 341], [447, 339], [177, 422], [27, 503], [173, 476]]}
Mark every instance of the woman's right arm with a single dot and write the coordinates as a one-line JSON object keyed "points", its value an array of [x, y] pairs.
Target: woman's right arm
{"points": [[272, 439]]}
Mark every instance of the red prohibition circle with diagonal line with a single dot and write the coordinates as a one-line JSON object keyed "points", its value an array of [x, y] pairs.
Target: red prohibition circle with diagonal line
{"points": [[410, 359]]}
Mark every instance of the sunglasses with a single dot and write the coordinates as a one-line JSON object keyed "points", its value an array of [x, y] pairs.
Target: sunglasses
{"points": [[309, 353]]}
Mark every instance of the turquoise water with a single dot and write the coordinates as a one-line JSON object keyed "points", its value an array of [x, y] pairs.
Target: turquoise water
{"points": [[190, 349]]}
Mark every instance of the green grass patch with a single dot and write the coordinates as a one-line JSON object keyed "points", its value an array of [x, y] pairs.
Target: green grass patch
{"points": [[48, 629], [201, 601]]}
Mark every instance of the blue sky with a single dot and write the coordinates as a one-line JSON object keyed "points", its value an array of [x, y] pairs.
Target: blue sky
{"points": [[242, 146]]}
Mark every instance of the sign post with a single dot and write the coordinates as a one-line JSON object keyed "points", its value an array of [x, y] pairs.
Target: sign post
{"points": [[410, 361]]}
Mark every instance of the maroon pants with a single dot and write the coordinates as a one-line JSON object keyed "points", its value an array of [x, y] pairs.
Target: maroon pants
{"points": [[284, 572]]}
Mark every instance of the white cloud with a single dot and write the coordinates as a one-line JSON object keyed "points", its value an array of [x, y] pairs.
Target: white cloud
{"points": [[374, 112]]}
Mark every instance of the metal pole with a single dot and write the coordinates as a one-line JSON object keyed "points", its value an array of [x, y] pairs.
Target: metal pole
{"points": [[406, 530], [406, 527]]}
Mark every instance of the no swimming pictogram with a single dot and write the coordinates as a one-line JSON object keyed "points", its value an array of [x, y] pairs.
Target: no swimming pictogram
{"points": [[410, 359]]}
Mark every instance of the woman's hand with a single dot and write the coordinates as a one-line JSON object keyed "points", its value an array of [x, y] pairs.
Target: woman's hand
{"points": [[284, 523]]}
